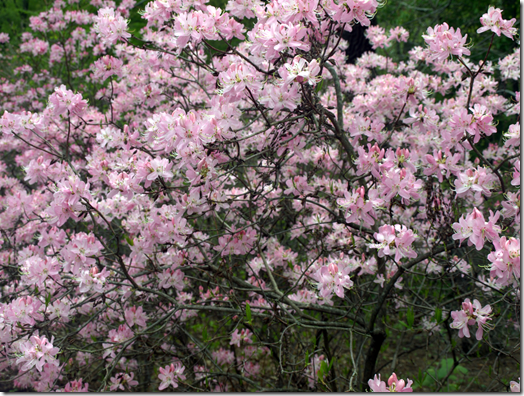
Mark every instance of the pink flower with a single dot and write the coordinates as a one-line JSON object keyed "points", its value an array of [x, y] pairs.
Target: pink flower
{"points": [[514, 386], [224, 357], [300, 71], [107, 66], [243, 337], [377, 36], [394, 384], [136, 316], [468, 316], [151, 170], [123, 381], [24, 310], [359, 209], [398, 33], [298, 186], [476, 229], [171, 278], [76, 386], [442, 164], [505, 261], [377, 385], [92, 280], [170, 375], [492, 20], [516, 174], [59, 310], [313, 368], [481, 122], [444, 41], [513, 135], [63, 100], [237, 78], [110, 27], [36, 352], [394, 240], [332, 279], [380, 280], [400, 181], [36, 270], [478, 180]]}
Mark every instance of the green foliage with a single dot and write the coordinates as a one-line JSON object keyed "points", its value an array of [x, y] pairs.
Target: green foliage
{"points": [[438, 315], [14, 14], [410, 317], [129, 240], [248, 313], [417, 15], [136, 22], [430, 380]]}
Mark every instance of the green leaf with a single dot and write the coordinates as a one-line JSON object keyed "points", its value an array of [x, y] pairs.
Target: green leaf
{"points": [[438, 315], [421, 378], [47, 299], [319, 86], [446, 365], [248, 312], [331, 364], [404, 324], [323, 370], [410, 317], [129, 240], [429, 378], [307, 357]]}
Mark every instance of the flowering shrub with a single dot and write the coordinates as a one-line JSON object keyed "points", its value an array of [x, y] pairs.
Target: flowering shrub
{"points": [[218, 202]]}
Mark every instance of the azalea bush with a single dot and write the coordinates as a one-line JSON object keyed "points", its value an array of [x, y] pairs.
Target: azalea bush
{"points": [[218, 202]]}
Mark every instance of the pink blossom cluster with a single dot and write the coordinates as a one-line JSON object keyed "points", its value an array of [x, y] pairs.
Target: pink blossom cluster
{"points": [[241, 337], [359, 209], [394, 240], [171, 375], [313, 369], [476, 229], [492, 21], [470, 314], [479, 180], [333, 279], [393, 385], [300, 71], [505, 261], [110, 26], [64, 100], [379, 39], [37, 351], [444, 41], [76, 386], [196, 26], [123, 381]]}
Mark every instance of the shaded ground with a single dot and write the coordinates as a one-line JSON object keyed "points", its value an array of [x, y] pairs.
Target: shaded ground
{"points": [[487, 371]]}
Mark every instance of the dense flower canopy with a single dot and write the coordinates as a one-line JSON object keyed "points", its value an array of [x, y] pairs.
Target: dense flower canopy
{"points": [[220, 203]]}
